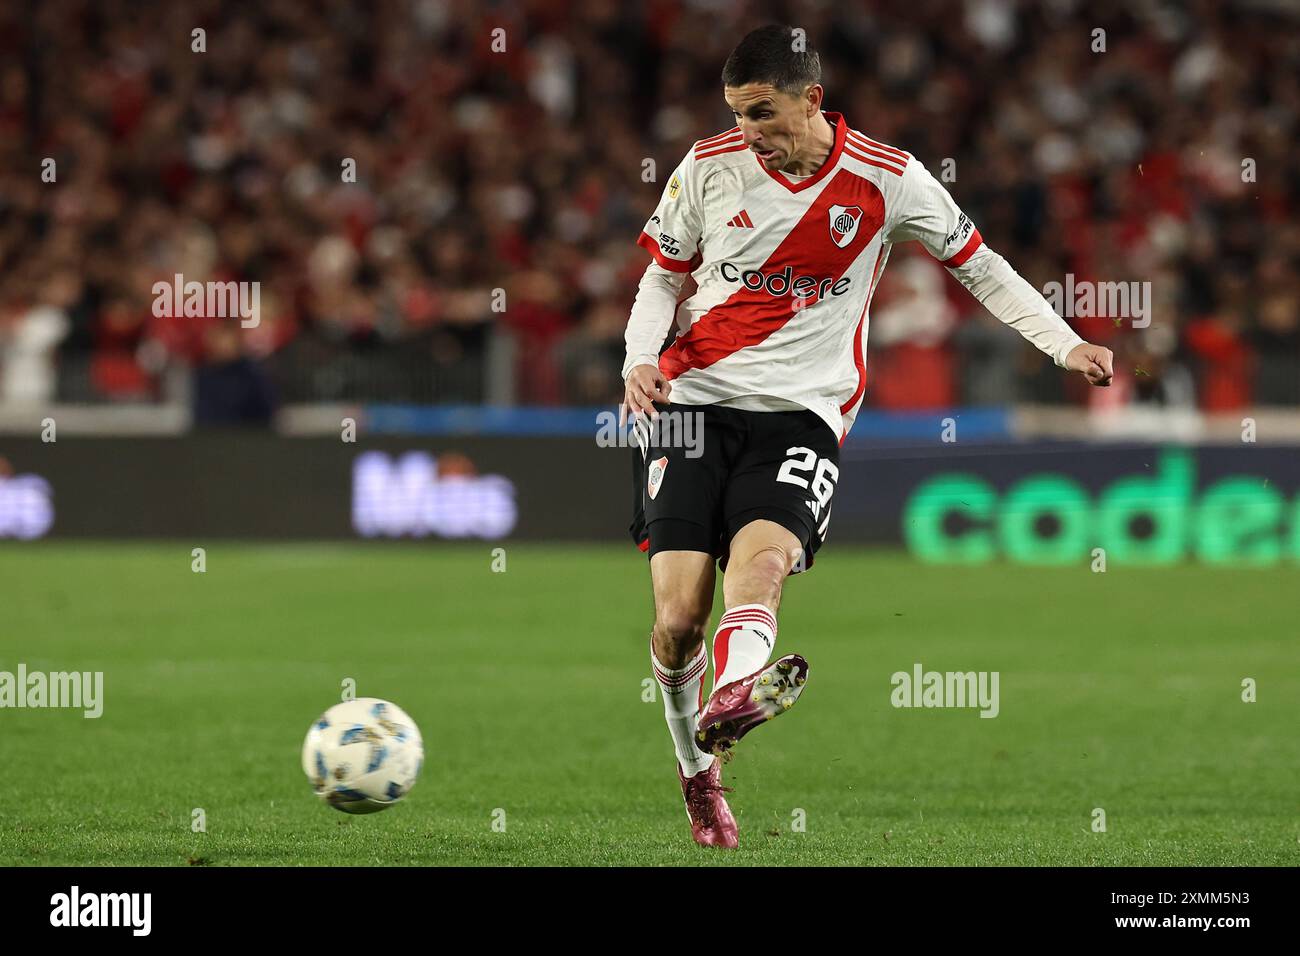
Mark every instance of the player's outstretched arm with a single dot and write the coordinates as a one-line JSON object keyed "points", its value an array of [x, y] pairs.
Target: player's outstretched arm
{"points": [[927, 213], [1002, 291]]}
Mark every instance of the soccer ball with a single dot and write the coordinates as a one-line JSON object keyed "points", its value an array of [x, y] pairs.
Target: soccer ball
{"points": [[363, 755]]}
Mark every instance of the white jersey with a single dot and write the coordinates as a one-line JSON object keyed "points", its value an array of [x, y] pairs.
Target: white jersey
{"points": [[786, 268]]}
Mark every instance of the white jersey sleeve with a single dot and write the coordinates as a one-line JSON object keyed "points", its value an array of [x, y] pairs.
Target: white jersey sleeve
{"points": [[652, 315], [927, 213], [672, 235], [1002, 291]]}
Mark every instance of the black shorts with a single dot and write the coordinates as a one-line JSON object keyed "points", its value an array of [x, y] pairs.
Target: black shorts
{"points": [[706, 471]]}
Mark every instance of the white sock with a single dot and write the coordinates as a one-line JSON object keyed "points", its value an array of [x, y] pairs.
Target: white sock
{"points": [[683, 691], [743, 642]]}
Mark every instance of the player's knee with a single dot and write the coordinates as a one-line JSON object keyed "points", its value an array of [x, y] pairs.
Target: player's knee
{"points": [[680, 627]]}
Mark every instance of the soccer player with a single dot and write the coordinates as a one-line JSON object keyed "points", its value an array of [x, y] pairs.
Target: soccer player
{"points": [[785, 222]]}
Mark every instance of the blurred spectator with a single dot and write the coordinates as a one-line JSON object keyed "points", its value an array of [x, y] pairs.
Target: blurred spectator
{"points": [[29, 337], [229, 387], [908, 363], [591, 356], [1277, 343]]}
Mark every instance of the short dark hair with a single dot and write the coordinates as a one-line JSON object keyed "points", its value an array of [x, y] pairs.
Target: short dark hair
{"points": [[767, 55]]}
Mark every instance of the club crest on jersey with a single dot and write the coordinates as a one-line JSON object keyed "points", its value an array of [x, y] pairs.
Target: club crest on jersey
{"points": [[657, 469], [844, 224]]}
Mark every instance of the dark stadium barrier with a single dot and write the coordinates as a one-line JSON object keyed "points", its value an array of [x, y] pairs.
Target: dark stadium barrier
{"points": [[1027, 502]]}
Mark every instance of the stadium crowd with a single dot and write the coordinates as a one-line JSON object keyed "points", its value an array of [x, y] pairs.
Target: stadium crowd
{"points": [[500, 183]]}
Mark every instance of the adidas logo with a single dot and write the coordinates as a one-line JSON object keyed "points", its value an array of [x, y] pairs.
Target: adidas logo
{"points": [[742, 220]]}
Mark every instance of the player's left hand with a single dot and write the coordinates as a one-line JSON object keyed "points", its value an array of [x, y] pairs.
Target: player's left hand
{"points": [[1095, 362]]}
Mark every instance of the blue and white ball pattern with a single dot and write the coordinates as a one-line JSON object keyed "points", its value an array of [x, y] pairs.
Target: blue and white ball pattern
{"points": [[363, 755]]}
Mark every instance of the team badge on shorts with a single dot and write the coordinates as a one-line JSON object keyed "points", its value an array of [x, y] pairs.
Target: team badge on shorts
{"points": [[657, 469], [844, 224]]}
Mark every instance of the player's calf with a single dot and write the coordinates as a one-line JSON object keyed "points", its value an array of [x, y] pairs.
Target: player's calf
{"points": [[683, 692], [678, 657]]}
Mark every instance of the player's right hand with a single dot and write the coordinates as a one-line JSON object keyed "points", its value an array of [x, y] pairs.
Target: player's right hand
{"points": [[645, 385]]}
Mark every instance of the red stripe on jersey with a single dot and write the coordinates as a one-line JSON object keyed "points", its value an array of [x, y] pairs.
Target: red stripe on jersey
{"points": [[859, 360], [648, 242], [849, 151], [744, 214], [860, 363], [738, 147], [868, 141], [876, 153], [736, 140], [749, 316], [734, 131], [967, 251]]}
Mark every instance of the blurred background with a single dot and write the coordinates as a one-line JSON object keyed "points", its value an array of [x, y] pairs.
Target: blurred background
{"points": [[440, 202], [522, 171]]}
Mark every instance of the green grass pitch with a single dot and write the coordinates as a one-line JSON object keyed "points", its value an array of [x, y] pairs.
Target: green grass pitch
{"points": [[1120, 691]]}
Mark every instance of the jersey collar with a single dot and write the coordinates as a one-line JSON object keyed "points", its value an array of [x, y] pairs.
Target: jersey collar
{"points": [[841, 132]]}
